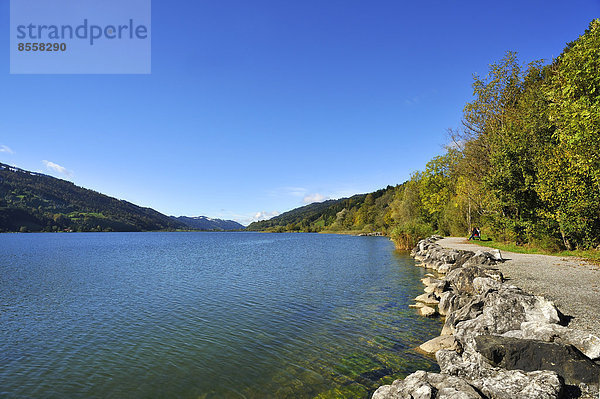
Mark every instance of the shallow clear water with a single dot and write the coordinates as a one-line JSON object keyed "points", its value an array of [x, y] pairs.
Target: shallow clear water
{"points": [[221, 315]]}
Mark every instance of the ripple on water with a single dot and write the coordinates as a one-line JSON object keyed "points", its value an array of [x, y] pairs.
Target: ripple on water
{"points": [[231, 315]]}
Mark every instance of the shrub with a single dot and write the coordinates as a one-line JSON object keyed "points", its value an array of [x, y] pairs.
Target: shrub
{"points": [[406, 236]]}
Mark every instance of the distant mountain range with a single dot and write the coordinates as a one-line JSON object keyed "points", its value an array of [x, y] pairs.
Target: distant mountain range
{"points": [[206, 223], [32, 201]]}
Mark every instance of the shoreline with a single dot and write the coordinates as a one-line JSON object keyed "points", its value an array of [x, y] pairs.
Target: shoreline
{"points": [[498, 341], [573, 284]]}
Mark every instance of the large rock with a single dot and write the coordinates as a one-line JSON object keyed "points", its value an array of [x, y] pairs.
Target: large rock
{"points": [[430, 280], [429, 289], [428, 299], [587, 343], [481, 258], [485, 285], [497, 383], [443, 260], [531, 355], [461, 279], [446, 267], [449, 302], [437, 288], [442, 342], [504, 311], [462, 257], [497, 255], [511, 384], [469, 311], [424, 385], [427, 311]]}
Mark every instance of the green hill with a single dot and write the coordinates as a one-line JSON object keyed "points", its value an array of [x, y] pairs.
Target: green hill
{"points": [[36, 202], [361, 212]]}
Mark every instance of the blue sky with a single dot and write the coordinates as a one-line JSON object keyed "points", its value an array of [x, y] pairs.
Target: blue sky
{"points": [[261, 106]]}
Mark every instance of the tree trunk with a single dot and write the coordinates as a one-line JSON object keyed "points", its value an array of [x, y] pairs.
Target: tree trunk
{"points": [[469, 217], [566, 240]]}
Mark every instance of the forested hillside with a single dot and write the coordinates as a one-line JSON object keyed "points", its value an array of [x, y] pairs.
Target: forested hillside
{"points": [[36, 202], [524, 166], [361, 212]]}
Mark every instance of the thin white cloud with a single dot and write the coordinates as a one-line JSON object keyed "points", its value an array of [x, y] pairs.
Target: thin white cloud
{"points": [[264, 215], [6, 149], [316, 197], [57, 168]]}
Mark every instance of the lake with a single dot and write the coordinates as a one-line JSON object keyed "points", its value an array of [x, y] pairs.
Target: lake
{"points": [[206, 315]]}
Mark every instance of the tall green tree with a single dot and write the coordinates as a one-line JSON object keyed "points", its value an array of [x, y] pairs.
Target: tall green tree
{"points": [[437, 185], [570, 183]]}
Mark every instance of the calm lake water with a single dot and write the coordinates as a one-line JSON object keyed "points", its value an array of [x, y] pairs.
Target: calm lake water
{"points": [[206, 315]]}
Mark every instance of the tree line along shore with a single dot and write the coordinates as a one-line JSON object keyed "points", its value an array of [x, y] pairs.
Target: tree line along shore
{"points": [[524, 166]]}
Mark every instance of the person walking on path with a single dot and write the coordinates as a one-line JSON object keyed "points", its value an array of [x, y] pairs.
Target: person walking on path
{"points": [[476, 233]]}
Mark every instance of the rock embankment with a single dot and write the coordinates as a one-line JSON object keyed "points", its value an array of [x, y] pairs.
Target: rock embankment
{"points": [[498, 341]]}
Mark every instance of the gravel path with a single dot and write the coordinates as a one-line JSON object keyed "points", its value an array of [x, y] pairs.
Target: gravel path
{"points": [[572, 284]]}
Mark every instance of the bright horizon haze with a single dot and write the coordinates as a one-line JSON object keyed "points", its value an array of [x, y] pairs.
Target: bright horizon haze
{"points": [[256, 108]]}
